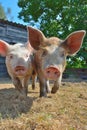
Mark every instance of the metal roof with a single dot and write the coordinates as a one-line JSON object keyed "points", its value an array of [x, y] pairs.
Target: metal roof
{"points": [[12, 23]]}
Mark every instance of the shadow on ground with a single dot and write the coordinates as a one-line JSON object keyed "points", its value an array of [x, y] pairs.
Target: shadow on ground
{"points": [[12, 104]]}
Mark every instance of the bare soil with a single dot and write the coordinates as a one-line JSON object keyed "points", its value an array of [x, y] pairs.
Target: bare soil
{"points": [[65, 110]]}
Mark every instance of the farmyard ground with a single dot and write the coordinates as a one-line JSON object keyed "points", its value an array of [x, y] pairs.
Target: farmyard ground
{"points": [[65, 110]]}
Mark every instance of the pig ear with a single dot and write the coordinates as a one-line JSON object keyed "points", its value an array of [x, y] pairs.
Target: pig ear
{"points": [[3, 48], [74, 41], [35, 37]]}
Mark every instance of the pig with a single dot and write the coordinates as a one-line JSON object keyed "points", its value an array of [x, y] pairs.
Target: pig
{"points": [[19, 64], [50, 57]]}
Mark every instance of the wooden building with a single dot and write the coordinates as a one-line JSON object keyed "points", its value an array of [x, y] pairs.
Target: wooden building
{"points": [[12, 33]]}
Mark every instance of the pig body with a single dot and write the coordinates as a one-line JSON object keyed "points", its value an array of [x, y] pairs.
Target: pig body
{"points": [[50, 58], [19, 63]]}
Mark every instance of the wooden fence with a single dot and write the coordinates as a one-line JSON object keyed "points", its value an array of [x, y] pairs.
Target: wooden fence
{"points": [[75, 73]]}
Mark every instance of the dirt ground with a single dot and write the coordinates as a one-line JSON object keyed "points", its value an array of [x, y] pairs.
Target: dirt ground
{"points": [[65, 110]]}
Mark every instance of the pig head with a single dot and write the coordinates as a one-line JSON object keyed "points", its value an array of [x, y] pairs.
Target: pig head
{"points": [[50, 58], [18, 62]]}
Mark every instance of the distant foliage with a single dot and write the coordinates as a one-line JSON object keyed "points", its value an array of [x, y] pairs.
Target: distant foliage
{"points": [[8, 14], [5, 15], [58, 18], [2, 12]]}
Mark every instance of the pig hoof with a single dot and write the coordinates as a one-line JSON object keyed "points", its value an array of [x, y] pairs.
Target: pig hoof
{"points": [[54, 90], [48, 91], [43, 95], [33, 87]]}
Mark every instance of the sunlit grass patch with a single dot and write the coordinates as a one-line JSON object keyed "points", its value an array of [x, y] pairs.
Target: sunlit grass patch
{"points": [[65, 110]]}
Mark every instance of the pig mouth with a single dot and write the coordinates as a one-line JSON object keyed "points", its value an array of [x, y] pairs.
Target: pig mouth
{"points": [[20, 70], [52, 73]]}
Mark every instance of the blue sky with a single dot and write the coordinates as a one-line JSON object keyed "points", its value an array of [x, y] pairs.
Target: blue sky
{"points": [[14, 10]]}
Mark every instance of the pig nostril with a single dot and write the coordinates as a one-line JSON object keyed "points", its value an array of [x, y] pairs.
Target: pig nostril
{"points": [[48, 71], [56, 73]]}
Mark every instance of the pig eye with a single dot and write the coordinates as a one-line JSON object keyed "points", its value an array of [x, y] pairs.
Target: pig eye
{"points": [[62, 55], [26, 55], [11, 56], [44, 53]]}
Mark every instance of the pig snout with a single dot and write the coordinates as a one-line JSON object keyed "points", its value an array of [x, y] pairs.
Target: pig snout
{"points": [[52, 73], [20, 70]]}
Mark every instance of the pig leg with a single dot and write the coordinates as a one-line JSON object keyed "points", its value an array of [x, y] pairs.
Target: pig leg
{"points": [[43, 90], [25, 85], [43, 86], [17, 83], [55, 87], [21, 85], [57, 84], [42, 82], [48, 87], [34, 77]]}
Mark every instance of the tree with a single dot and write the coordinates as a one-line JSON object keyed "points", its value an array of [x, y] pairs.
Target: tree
{"points": [[2, 12], [5, 15], [58, 18]]}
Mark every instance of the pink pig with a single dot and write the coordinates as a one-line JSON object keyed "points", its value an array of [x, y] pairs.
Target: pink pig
{"points": [[19, 63], [50, 58]]}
